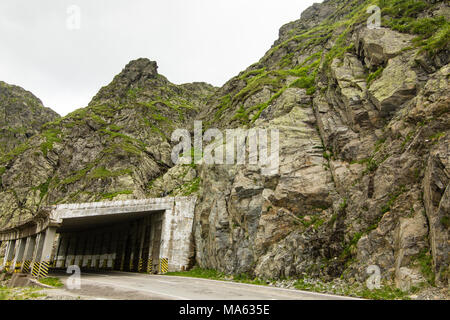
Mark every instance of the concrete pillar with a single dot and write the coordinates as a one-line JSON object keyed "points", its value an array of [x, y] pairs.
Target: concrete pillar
{"points": [[141, 246], [37, 251], [28, 254], [46, 251], [150, 268], [113, 249], [87, 255], [56, 251], [133, 247], [118, 251], [97, 250], [62, 251], [18, 259], [123, 248], [47, 245], [106, 243], [80, 250], [71, 250], [156, 241], [9, 254], [13, 259], [166, 245]]}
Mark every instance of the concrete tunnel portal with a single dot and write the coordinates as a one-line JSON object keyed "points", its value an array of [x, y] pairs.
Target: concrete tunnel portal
{"points": [[123, 242], [151, 236]]}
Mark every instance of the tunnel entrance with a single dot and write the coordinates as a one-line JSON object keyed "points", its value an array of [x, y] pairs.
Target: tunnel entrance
{"points": [[128, 242], [148, 235]]}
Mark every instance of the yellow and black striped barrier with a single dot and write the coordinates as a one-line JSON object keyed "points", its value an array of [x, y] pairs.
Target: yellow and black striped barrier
{"points": [[131, 265], [26, 266], [35, 271], [17, 267], [150, 266], [43, 271], [141, 263], [7, 265], [164, 265]]}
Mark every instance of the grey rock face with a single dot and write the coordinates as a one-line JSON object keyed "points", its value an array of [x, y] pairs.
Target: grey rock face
{"points": [[21, 116]]}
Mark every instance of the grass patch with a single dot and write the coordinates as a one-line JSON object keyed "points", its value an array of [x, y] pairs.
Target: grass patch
{"points": [[446, 221], [374, 75], [76, 176], [54, 282], [51, 136], [43, 188], [192, 187], [102, 173], [20, 149], [199, 273], [112, 195], [212, 274], [425, 262], [19, 293], [384, 293], [433, 33]]}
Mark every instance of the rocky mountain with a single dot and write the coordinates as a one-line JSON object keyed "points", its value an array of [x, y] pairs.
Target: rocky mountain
{"points": [[111, 149], [21, 116], [363, 116]]}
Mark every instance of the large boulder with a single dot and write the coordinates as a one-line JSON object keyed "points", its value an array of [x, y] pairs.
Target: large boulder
{"points": [[397, 85], [377, 46]]}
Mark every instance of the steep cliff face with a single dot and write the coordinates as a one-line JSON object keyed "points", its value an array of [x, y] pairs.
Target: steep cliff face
{"points": [[363, 119], [363, 116], [21, 116]]}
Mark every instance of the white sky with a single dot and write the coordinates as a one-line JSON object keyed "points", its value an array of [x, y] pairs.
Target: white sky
{"points": [[192, 40]]}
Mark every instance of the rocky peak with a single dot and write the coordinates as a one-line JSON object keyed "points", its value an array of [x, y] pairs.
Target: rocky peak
{"points": [[139, 70], [137, 74], [21, 116]]}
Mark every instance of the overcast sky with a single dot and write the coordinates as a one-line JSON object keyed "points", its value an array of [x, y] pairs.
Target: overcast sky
{"points": [[45, 50]]}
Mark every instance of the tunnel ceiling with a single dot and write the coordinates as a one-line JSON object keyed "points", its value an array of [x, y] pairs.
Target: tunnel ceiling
{"points": [[94, 222]]}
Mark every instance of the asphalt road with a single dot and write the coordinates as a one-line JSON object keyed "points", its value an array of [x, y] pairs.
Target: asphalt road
{"points": [[134, 286]]}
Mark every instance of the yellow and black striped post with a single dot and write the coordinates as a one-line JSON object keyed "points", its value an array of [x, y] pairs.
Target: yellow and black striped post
{"points": [[17, 267], [131, 265], [164, 265], [141, 263], [150, 266], [43, 271], [26, 266], [7, 265], [35, 271]]}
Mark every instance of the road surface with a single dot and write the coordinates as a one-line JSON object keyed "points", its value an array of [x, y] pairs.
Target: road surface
{"points": [[134, 286]]}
